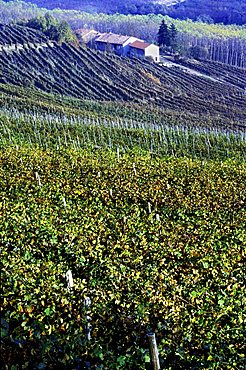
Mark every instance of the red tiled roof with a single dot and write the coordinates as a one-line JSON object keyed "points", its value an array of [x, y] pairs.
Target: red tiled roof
{"points": [[140, 45]]}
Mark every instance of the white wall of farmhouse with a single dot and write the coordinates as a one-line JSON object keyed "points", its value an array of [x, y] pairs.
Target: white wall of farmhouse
{"points": [[154, 52]]}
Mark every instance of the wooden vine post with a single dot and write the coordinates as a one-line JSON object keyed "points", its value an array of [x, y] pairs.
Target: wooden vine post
{"points": [[69, 278], [153, 351], [87, 304]]}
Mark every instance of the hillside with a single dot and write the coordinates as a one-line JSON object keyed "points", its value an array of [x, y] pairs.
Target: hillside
{"points": [[122, 195], [149, 217], [226, 44], [88, 74], [21, 35], [220, 11], [223, 11]]}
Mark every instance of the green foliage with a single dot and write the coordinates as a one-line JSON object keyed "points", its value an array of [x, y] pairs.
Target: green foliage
{"points": [[64, 33], [52, 28], [181, 276], [198, 52], [44, 24]]}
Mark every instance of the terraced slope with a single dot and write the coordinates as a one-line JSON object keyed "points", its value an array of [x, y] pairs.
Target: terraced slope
{"points": [[18, 34], [87, 74], [222, 72]]}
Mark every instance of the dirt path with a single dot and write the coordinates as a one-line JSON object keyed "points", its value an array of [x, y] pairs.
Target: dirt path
{"points": [[168, 63]]}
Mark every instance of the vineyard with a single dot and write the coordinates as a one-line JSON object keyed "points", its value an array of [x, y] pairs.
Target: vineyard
{"points": [[88, 74], [20, 35], [88, 131], [149, 217], [233, 76], [154, 244], [122, 195]]}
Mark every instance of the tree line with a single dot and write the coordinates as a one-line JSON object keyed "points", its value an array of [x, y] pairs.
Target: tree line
{"points": [[229, 51], [217, 11], [56, 30]]}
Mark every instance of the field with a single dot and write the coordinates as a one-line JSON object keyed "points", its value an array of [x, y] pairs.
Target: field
{"points": [[131, 179], [88, 74], [19, 35], [149, 218]]}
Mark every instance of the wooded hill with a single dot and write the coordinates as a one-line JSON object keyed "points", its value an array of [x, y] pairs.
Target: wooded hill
{"points": [[201, 88], [222, 11]]}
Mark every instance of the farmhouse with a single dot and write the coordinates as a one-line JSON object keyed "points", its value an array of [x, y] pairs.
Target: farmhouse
{"points": [[141, 49], [129, 46], [118, 44]]}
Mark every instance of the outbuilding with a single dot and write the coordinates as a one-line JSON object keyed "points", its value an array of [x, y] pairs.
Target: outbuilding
{"points": [[141, 49]]}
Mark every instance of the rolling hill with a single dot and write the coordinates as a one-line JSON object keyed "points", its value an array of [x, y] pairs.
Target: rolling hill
{"points": [[128, 177], [199, 88]]}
